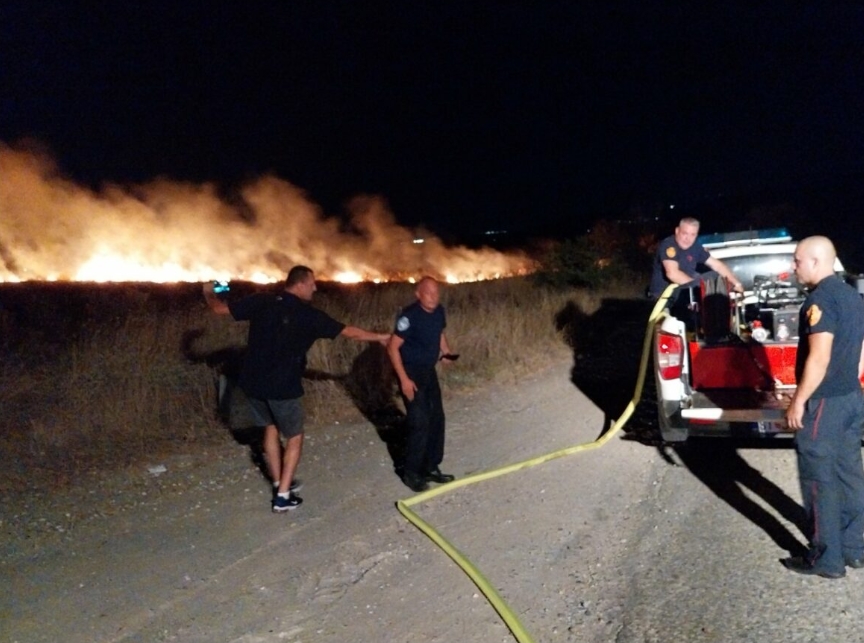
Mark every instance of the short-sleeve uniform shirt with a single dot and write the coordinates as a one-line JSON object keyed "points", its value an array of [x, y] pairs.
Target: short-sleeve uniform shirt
{"points": [[282, 329], [421, 334], [833, 306], [688, 261]]}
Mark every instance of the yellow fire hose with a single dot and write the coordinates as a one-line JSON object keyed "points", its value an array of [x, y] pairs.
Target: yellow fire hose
{"points": [[491, 594]]}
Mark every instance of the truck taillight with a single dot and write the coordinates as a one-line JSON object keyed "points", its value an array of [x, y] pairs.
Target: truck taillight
{"points": [[670, 355]]}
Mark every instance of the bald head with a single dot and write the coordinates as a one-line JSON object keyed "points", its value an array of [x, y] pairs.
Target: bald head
{"points": [[814, 260], [428, 293]]}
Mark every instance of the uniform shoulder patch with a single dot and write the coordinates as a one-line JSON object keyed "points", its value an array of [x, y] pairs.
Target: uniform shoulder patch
{"points": [[814, 314], [403, 324], [670, 252]]}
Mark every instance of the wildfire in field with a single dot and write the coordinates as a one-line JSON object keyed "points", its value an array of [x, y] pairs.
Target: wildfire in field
{"points": [[52, 229]]}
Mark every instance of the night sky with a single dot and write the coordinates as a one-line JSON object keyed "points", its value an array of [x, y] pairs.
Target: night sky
{"points": [[465, 116]]}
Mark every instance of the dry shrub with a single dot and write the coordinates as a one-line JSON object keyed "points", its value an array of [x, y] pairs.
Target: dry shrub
{"points": [[143, 381]]}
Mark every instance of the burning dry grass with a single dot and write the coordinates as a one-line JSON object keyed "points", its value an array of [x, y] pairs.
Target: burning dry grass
{"points": [[109, 376], [168, 231]]}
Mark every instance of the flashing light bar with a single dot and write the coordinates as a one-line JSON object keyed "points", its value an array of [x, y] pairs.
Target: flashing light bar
{"points": [[768, 235]]}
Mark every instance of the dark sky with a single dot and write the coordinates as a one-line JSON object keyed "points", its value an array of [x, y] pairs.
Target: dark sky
{"points": [[464, 115]]}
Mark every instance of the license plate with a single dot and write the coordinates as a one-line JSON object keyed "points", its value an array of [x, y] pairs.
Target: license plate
{"points": [[769, 428]]}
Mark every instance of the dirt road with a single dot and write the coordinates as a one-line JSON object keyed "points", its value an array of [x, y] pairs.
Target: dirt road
{"points": [[625, 543]]}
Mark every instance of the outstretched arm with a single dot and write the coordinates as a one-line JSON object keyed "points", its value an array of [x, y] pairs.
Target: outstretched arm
{"points": [[718, 266], [360, 335], [216, 305]]}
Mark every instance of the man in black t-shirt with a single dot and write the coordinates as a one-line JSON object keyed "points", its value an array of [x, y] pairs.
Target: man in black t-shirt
{"points": [[827, 414], [418, 343], [282, 329]]}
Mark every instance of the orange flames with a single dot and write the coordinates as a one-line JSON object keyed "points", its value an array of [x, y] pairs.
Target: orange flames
{"points": [[52, 229]]}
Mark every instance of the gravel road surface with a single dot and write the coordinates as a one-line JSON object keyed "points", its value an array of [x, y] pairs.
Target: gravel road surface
{"points": [[632, 542]]}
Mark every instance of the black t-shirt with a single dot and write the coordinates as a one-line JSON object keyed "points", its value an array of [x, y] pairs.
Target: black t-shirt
{"points": [[688, 260], [282, 328], [421, 332], [833, 307]]}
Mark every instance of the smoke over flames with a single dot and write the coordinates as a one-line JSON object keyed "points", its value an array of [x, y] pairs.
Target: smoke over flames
{"points": [[168, 231]]}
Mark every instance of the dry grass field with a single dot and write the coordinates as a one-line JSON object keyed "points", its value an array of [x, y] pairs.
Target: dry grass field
{"points": [[96, 376]]}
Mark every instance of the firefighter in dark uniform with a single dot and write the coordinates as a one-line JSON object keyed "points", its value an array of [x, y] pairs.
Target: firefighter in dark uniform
{"points": [[680, 257], [418, 343], [827, 413]]}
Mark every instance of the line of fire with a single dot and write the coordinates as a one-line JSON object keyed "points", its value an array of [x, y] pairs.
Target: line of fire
{"points": [[165, 231]]}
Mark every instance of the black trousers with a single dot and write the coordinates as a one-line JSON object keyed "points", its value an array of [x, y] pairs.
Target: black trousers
{"points": [[424, 446], [832, 478]]}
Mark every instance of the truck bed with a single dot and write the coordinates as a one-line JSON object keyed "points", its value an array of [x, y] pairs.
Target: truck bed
{"points": [[742, 365]]}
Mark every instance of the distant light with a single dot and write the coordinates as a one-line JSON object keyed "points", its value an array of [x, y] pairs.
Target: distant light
{"points": [[495, 232], [419, 241], [672, 206]]}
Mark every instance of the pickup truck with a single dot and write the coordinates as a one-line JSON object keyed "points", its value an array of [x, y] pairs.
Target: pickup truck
{"points": [[724, 363]]}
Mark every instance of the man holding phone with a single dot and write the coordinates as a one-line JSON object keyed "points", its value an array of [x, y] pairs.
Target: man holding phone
{"points": [[282, 329], [418, 343]]}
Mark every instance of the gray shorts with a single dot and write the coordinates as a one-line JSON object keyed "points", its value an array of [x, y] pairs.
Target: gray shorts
{"points": [[287, 415]]}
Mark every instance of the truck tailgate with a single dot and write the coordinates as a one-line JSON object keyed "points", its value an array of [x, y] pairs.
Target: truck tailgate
{"points": [[737, 406]]}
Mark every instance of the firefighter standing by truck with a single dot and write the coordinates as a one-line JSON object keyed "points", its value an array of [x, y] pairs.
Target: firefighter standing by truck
{"points": [[827, 414]]}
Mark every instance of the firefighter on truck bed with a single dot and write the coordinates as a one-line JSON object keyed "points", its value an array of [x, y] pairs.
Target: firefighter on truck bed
{"points": [[679, 256]]}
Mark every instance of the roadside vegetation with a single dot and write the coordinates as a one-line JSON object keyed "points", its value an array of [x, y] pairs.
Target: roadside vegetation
{"points": [[612, 252]]}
